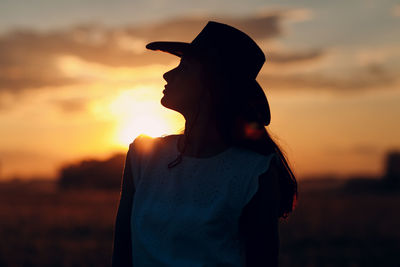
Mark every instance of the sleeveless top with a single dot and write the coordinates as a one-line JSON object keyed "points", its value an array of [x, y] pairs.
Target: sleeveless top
{"points": [[188, 215]]}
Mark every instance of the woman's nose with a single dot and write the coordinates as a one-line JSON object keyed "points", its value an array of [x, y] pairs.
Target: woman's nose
{"points": [[168, 75]]}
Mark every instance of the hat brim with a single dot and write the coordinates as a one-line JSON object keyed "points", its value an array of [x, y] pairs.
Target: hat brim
{"points": [[174, 48]]}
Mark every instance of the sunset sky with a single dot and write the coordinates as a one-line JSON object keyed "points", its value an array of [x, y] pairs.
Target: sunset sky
{"points": [[76, 80]]}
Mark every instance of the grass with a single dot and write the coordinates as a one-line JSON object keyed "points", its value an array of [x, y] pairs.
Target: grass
{"points": [[40, 226]]}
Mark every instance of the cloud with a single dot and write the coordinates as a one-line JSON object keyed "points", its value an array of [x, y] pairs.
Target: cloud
{"points": [[377, 54], [186, 28], [71, 105], [291, 14], [7, 100], [25, 154], [31, 59], [28, 58], [396, 10], [364, 149], [372, 77], [361, 149], [281, 57], [24, 66]]}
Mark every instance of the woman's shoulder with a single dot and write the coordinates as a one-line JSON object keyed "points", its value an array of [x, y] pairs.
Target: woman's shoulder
{"points": [[145, 143]]}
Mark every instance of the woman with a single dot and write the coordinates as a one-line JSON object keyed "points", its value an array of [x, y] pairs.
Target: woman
{"points": [[213, 195]]}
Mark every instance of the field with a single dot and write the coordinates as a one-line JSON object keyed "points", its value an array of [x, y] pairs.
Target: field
{"points": [[40, 226]]}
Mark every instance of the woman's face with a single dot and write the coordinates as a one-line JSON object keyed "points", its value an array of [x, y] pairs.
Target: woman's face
{"points": [[185, 88]]}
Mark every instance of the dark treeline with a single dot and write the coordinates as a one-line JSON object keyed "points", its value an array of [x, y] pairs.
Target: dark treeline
{"points": [[389, 182], [93, 174], [106, 174]]}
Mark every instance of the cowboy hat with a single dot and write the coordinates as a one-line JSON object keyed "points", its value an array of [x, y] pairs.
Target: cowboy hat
{"points": [[233, 53]]}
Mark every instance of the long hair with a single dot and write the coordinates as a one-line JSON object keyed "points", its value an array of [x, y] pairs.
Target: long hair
{"points": [[240, 128]]}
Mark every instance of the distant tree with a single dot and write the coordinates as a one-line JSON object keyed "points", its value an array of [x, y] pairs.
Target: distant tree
{"points": [[392, 175], [389, 182], [93, 174]]}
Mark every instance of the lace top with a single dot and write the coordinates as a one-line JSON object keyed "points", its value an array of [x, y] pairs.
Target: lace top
{"points": [[189, 215]]}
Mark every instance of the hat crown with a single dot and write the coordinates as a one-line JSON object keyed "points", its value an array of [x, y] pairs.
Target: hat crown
{"points": [[230, 48]]}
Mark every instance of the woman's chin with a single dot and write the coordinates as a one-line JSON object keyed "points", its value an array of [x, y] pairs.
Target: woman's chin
{"points": [[164, 101]]}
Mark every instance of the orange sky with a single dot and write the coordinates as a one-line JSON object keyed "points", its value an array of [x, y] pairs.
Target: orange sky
{"points": [[87, 91]]}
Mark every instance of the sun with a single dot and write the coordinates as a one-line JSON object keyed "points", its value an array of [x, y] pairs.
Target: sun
{"points": [[147, 124], [139, 111]]}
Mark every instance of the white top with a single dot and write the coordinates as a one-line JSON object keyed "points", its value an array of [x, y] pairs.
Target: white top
{"points": [[189, 215]]}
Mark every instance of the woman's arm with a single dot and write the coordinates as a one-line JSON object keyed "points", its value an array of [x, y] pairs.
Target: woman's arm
{"points": [[122, 251], [259, 224]]}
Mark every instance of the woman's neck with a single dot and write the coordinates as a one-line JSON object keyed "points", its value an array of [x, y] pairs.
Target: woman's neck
{"points": [[202, 138]]}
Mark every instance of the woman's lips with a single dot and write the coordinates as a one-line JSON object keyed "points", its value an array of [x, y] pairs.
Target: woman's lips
{"points": [[166, 87]]}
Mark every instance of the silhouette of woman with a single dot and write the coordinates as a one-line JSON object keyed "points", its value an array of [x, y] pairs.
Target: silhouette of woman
{"points": [[213, 195]]}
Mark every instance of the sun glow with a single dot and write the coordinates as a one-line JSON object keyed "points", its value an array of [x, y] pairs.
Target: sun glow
{"points": [[147, 124], [138, 111]]}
